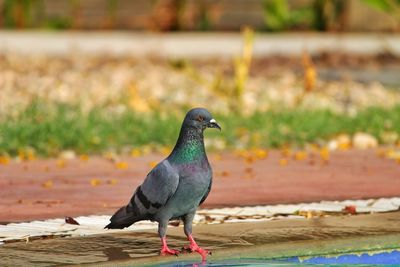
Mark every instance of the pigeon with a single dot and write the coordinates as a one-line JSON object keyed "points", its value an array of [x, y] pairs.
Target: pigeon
{"points": [[176, 186]]}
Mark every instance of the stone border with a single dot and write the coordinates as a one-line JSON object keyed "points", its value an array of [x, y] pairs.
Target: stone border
{"points": [[194, 45]]}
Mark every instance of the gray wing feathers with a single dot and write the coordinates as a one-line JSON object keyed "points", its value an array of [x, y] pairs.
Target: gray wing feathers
{"points": [[159, 185]]}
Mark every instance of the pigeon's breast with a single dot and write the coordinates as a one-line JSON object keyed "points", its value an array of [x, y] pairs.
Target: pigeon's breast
{"points": [[194, 182]]}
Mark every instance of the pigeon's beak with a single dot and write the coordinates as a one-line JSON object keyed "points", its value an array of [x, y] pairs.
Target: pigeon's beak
{"points": [[213, 124]]}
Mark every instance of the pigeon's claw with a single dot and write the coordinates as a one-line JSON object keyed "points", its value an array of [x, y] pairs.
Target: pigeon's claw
{"points": [[193, 247], [165, 251], [203, 253]]}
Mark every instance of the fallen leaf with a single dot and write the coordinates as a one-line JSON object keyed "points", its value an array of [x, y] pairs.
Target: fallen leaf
{"points": [[112, 181], [4, 160], [250, 159], [283, 162], [136, 152], [286, 152], [71, 220], [324, 154], [344, 146], [84, 157], [380, 153], [208, 218], [48, 184], [152, 164], [248, 170], [165, 150], [300, 155], [350, 209], [260, 153], [121, 165], [95, 182], [224, 173], [60, 163]]}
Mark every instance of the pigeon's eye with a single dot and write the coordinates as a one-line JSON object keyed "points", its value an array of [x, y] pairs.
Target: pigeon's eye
{"points": [[200, 118]]}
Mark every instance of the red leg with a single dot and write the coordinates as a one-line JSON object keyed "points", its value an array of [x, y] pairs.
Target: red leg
{"points": [[165, 250], [195, 248]]}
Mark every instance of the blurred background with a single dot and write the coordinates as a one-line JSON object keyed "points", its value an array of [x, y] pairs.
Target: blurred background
{"points": [[204, 15], [116, 76]]}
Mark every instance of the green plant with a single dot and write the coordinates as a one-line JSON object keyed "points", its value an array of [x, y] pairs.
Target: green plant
{"points": [[51, 129], [17, 13], [279, 16], [391, 7]]}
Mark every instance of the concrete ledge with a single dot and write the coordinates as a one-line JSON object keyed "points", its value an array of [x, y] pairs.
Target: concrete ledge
{"points": [[267, 240], [193, 45]]}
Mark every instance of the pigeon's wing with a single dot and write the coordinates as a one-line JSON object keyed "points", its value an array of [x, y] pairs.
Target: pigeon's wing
{"points": [[158, 187], [207, 192]]}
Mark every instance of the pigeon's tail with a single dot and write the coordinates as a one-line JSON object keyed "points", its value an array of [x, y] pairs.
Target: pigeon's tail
{"points": [[124, 217]]}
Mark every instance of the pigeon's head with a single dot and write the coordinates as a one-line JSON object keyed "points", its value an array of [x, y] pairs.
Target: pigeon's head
{"points": [[200, 119]]}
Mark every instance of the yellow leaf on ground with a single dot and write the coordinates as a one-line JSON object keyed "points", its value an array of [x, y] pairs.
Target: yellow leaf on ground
{"points": [[4, 160], [136, 152], [300, 155], [324, 154], [344, 146], [283, 162], [84, 157], [122, 165], [48, 184], [60, 163], [95, 182], [261, 153], [152, 164], [165, 150]]}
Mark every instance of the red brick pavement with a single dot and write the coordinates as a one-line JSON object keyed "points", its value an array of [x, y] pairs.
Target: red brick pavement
{"points": [[348, 175]]}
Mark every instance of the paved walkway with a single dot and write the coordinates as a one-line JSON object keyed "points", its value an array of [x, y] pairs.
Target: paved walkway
{"points": [[194, 45], [43, 189]]}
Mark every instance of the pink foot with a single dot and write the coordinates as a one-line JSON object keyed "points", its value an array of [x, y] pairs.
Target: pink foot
{"points": [[193, 247], [165, 250]]}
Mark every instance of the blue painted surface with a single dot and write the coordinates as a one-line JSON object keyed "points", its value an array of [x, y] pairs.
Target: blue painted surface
{"points": [[390, 258], [365, 258]]}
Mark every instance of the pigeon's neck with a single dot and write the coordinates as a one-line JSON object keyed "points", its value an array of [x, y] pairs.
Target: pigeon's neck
{"points": [[189, 147]]}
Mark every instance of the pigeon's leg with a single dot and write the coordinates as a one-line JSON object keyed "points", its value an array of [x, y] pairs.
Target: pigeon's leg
{"points": [[165, 250], [193, 247]]}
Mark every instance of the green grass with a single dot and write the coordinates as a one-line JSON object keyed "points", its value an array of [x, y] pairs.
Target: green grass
{"points": [[51, 130]]}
